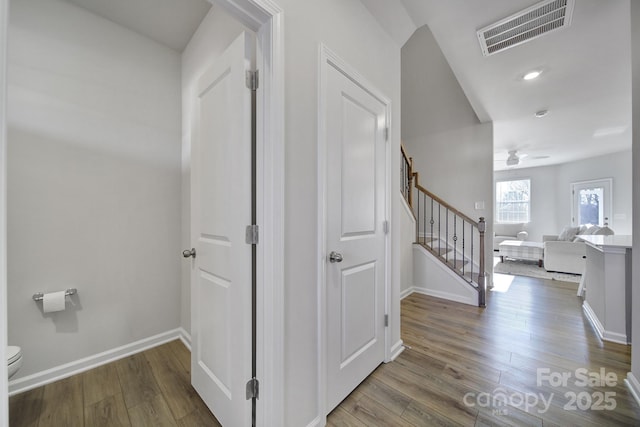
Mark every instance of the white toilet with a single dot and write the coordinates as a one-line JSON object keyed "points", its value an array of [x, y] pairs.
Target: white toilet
{"points": [[14, 359]]}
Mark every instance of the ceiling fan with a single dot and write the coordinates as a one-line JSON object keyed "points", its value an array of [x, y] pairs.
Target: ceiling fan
{"points": [[514, 158]]}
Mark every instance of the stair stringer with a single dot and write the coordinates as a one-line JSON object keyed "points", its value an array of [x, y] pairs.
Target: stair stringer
{"points": [[432, 277]]}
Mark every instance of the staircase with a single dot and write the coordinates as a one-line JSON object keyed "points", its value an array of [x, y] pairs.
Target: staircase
{"points": [[451, 238]]}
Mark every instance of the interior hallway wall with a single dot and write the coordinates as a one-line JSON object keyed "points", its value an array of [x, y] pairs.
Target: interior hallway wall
{"points": [[407, 237], [93, 183], [216, 31], [347, 28], [452, 151]]}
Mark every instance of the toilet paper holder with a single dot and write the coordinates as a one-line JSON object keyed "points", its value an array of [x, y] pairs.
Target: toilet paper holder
{"points": [[40, 295]]}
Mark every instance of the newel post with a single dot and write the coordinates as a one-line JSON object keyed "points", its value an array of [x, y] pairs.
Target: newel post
{"points": [[482, 287]]}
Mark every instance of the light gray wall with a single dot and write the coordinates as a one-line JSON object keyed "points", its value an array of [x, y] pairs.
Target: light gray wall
{"points": [[216, 31], [635, 58], [452, 151], [551, 191], [617, 166], [433, 101], [93, 183], [347, 28], [407, 237]]}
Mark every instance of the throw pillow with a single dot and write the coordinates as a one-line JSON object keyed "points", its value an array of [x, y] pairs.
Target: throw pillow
{"points": [[604, 231], [592, 230], [568, 233]]}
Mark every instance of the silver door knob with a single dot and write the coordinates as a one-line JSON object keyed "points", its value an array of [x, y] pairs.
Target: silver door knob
{"points": [[335, 257], [189, 253]]}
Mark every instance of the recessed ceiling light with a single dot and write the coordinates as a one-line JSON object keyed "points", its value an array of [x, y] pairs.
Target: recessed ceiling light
{"points": [[532, 75], [541, 113]]}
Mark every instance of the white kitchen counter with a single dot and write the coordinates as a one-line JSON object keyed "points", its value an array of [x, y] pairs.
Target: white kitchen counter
{"points": [[609, 242], [607, 280]]}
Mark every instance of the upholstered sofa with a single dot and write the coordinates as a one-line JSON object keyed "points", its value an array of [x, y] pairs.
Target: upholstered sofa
{"points": [[566, 252], [502, 232]]}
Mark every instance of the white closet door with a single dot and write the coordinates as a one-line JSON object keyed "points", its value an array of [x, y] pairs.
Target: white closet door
{"points": [[221, 209]]}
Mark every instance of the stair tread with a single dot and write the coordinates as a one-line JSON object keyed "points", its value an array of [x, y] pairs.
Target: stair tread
{"points": [[429, 239], [458, 263], [441, 250]]}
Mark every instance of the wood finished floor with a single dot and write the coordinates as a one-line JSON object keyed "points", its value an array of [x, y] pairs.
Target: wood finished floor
{"points": [[455, 350], [151, 389], [458, 349]]}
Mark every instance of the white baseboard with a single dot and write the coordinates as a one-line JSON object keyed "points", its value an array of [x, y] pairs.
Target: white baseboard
{"points": [[634, 386], [445, 295], [38, 379], [407, 292], [185, 337], [396, 350], [615, 337], [591, 315], [317, 422], [437, 294], [602, 332]]}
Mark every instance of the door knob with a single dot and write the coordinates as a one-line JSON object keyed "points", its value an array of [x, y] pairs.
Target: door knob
{"points": [[335, 257], [189, 253]]}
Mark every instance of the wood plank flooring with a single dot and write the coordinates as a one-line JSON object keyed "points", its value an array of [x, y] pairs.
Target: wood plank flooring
{"points": [[458, 350], [152, 389]]}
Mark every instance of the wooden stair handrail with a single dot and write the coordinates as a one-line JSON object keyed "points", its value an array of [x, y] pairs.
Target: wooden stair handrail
{"points": [[440, 201]]}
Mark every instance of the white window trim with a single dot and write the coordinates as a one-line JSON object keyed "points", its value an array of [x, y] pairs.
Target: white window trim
{"points": [[495, 201]]}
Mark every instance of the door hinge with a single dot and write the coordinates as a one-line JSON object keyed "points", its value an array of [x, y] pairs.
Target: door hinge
{"points": [[385, 227], [252, 79], [386, 134], [253, 389], [252, 235], [386, 320]]}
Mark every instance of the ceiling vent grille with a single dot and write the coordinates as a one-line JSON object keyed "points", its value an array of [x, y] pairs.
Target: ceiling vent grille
{"points": [[531, 23]]}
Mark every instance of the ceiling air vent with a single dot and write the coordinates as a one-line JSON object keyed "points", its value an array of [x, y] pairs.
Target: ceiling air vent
{"points": [[533, 22]]}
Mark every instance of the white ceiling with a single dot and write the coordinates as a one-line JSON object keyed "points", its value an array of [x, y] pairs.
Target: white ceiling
{"points": [[168, 22], [585, 85]]}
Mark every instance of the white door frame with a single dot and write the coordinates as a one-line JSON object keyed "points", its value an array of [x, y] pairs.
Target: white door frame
{"points": [[265, 17], [4, 381], [328, 58], [608, 198]]}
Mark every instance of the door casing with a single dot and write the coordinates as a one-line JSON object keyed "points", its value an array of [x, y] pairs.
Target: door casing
{"points": [[327, 58], [607, 185]]}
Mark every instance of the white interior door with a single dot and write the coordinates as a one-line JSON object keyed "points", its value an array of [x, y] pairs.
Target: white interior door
{"points": [[355, 135], [221, 277]]}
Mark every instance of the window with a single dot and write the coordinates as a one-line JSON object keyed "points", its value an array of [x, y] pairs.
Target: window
{"points": [[513, 201]]}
